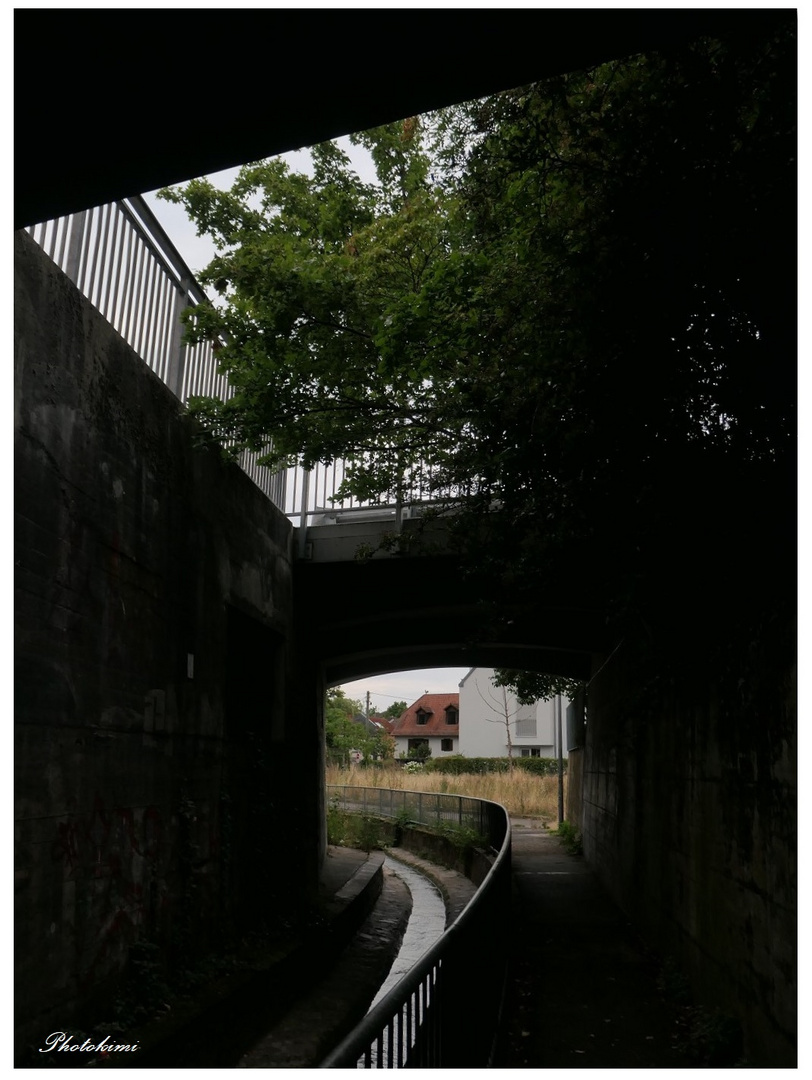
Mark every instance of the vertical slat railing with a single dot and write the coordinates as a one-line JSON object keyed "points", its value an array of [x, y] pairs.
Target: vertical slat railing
{"points": [[120, 258]]}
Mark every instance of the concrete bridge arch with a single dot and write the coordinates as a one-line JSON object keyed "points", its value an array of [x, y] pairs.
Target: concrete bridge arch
{"points": [[364, 618]]}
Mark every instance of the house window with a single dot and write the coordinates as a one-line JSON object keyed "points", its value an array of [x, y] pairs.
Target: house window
{"points": [[531, 751], [422, 716], [446, 744], [452, 715], [526, 721], [415, 743]]}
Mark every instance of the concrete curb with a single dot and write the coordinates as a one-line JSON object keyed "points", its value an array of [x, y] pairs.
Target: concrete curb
{"points": [[245, 1005]]}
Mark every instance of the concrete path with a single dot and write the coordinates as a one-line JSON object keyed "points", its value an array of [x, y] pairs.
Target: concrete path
{"points": [[583, 992]]}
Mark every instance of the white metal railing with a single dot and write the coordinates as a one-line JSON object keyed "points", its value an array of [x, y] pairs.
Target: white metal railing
{"points": [[313, 495], [121, 259]]}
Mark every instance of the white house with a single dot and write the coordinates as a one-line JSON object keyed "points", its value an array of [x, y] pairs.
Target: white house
{"points": [[434, 721], [487, 711]]}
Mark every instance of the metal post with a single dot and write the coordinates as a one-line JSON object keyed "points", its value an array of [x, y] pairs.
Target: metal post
{"points": [[77, 236], [559, 710], [176, 367], [302, 534]]}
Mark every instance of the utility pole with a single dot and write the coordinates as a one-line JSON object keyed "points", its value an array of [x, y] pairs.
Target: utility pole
{"points": [[367, 704], [560, 740]]}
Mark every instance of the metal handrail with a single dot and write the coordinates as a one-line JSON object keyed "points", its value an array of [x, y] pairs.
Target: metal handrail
{"points": [[445, 1012]]}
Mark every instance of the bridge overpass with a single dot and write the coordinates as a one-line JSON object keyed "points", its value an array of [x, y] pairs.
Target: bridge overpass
{"points": [[396, 614], [407, 610]]}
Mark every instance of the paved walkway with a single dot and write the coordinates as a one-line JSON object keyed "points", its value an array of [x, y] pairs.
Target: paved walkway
{"points": [[583, 992]]}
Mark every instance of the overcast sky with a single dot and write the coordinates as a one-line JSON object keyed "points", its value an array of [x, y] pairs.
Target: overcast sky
{"points": [[405, 686]]}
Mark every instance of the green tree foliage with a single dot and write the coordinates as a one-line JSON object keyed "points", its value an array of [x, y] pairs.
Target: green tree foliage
{"points": [[395, 710], [380, 746], [532, 686], [639, 215], [321, 279], [344, 733], [420, 752], [571, 305]]}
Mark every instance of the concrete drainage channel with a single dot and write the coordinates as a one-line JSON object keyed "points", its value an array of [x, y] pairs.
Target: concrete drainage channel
{"points": [[418, 901], [427, 922]]}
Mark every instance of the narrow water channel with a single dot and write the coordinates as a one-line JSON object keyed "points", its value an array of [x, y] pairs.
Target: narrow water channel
{"points": [[426, 922]]}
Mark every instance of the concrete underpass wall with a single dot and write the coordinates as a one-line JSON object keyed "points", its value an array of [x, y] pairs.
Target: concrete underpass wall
{"points": [[156, 766], [689, 818]]}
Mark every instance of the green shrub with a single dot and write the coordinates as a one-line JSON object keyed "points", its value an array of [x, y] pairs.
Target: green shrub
{"points": [[570, 838], [540, 766], [461, 836], [458, 765], [346, 829], [337, 825]]}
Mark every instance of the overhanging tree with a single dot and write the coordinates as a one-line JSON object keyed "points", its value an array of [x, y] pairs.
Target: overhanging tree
{"points": [[532, 686], [322, 277], [575, 300]]}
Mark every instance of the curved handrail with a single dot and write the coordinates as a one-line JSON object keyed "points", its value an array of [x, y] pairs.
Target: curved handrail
{"points": [[446, 1011]]}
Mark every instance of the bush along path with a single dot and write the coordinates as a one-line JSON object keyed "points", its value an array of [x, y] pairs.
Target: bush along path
{"points": [[583, 991]]}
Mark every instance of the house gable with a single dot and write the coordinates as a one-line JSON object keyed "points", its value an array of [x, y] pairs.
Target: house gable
{"points": [[429, 717]]}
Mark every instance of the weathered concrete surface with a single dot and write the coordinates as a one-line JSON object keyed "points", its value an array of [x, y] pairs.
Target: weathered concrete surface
{"points": [[689, 818], [154, 754]]}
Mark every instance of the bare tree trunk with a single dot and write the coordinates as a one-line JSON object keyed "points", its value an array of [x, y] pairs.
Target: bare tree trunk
{"points": [[507, 729], [505, 713]]}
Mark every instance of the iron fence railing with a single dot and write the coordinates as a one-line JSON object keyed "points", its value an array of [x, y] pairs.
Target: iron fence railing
{"points": [[421, 807], [446, 1011]]}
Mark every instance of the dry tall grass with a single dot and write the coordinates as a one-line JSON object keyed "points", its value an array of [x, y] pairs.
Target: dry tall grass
{"points": [[522, 794]]}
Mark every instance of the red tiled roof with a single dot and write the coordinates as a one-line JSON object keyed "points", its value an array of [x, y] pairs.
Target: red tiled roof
{"points": [[384, 722], [435, 705]]}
